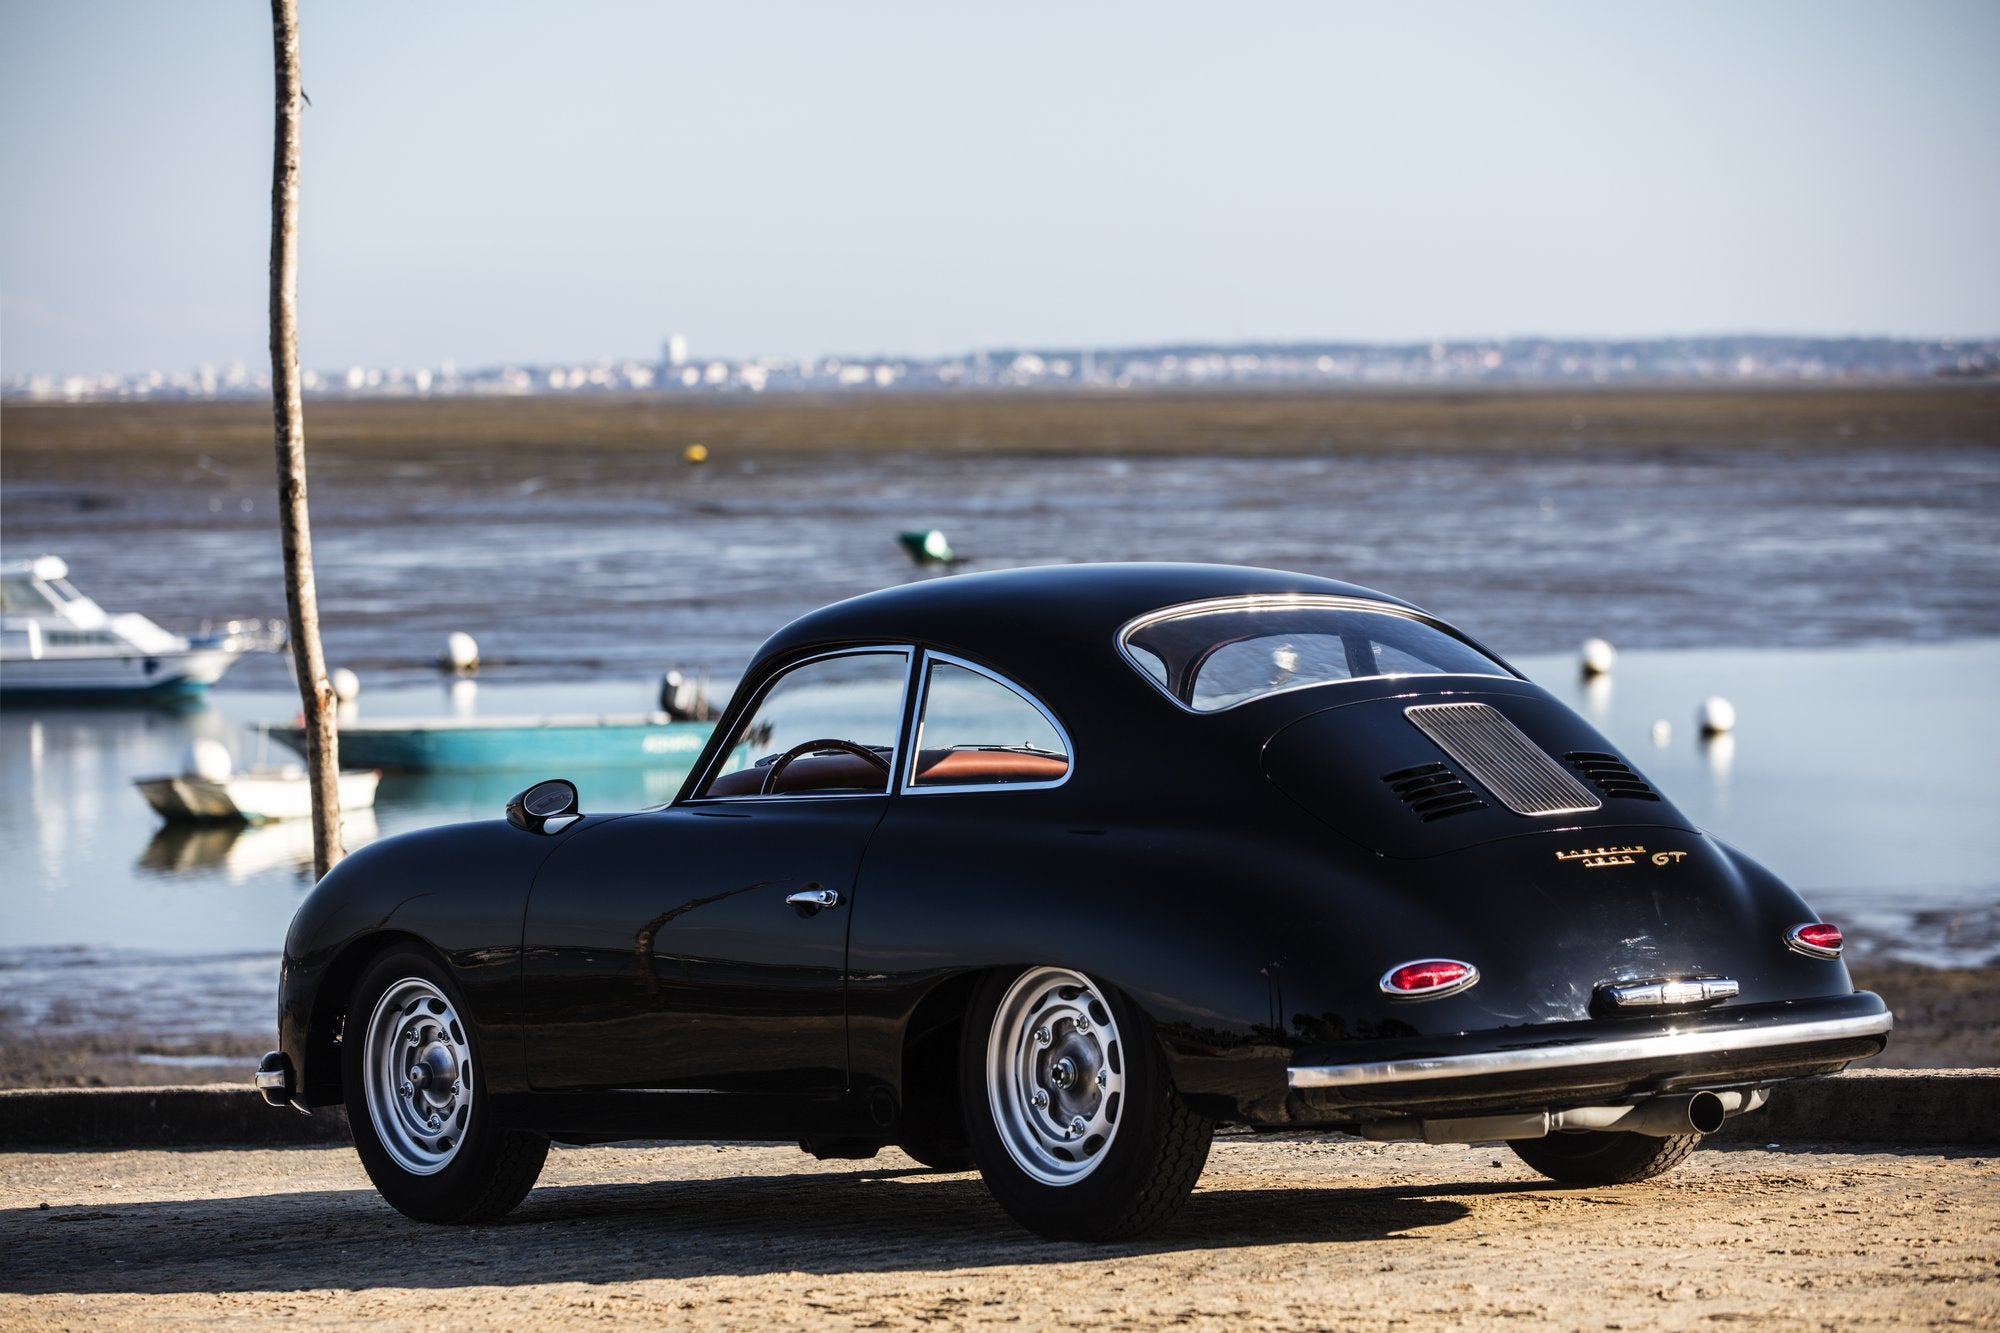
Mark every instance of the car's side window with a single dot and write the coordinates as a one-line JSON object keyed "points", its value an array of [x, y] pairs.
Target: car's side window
{"points": [[978, 731], [825, 727]]}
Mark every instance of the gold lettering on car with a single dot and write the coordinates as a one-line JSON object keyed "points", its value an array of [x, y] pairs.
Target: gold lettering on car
{"points": [[1602, 858], [1597, 858]]}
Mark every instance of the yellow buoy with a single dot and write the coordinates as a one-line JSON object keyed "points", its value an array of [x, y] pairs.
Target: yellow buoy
{"points": [[695, 453]]}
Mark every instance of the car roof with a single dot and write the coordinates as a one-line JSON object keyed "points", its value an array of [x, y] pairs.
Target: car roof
{"points": [[999, 615]]}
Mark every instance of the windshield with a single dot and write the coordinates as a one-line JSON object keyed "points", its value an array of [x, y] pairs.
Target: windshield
{"points": [[1209, 656]]}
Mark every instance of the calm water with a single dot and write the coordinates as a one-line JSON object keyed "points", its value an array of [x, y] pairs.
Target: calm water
{"points": [[1848, 604]]}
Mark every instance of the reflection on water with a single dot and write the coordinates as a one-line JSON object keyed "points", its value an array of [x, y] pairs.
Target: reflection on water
{"points": [[1719, 753], [242, 852]]}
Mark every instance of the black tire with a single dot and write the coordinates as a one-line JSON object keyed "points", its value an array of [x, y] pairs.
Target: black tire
{"points": [[1603, 1157], [1111, 1150], [431, 1145]]}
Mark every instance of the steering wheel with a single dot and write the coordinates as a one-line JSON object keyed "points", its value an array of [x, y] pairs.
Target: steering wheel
{"points": [[783, 761]]}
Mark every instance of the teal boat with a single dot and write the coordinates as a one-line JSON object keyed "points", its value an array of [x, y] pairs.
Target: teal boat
{"points": [[542, 744]]}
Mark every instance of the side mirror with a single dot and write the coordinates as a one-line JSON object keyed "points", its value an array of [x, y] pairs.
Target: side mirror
{"points": [[546, 807]]}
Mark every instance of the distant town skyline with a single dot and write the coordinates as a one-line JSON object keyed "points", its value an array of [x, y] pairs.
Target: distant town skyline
{"points": [[1513, 363], [513, 184]]}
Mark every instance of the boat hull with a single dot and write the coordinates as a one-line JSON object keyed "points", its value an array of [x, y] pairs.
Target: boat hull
{"points": [[475, 745], [82, 678], [249, 798]]}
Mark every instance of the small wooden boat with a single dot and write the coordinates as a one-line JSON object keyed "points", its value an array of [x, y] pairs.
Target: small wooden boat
{"points": [[256, 796], [483, 744]]}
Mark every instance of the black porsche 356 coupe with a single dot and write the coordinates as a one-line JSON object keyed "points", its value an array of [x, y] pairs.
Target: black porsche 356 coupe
{"points": [[1051, 871]]}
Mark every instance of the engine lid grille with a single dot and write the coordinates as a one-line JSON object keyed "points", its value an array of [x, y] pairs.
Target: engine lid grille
{"points": [[1432, 791], [1502, 759], [1613, 776]]}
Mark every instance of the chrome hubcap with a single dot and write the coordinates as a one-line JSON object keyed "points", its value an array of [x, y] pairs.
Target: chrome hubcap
{"points": [[1055, 1075], [417, 1067]]}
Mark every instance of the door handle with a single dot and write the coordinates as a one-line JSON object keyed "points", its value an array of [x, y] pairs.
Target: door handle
{"points": [[813, 899]]}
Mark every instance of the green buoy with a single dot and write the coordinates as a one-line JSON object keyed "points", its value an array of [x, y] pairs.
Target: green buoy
{"points": [[927, 547]]}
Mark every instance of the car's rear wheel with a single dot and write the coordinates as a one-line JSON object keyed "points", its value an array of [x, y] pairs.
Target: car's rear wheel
{"points": [[1603, 1157], [1072, 1115], [416, 1098]]}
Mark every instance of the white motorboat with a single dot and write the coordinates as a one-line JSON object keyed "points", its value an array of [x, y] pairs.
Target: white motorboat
{"points": [[57, 643], [258, 796], [209, 790]]}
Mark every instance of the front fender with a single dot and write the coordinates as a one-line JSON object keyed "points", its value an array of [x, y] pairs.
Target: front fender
{"points": [[458, 890]]}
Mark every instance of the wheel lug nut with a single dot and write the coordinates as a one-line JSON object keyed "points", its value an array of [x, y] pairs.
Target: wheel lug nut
{"points": [[1103, 1077], [1041, 1099], [435, 1120], [405, 1090], [1076, 1127], [1082, 1023], [1043, 1036], [454, 1086]]}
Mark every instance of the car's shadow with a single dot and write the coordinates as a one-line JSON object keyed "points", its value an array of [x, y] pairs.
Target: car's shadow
{"points": [[822, 1223]]}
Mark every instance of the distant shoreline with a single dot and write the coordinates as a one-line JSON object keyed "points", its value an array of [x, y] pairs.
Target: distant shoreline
{"points": [[41, 440]]}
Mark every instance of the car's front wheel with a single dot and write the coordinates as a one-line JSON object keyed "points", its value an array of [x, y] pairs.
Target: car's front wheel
{"points": [[1603, 1157], [1072, 1115], [416, 1098]]}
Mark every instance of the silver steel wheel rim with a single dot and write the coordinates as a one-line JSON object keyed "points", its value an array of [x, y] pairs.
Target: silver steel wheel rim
{"points": [[417, 1068], [1055, 1075]]}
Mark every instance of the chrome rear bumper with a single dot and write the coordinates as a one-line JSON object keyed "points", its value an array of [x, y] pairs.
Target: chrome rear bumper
{"points": [[1583, 1054]]}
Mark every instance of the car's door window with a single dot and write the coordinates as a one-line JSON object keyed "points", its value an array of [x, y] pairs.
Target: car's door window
{"points": [[826, 727], [978, 731]]}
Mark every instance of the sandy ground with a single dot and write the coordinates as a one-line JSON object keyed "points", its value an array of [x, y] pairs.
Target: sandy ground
{"points": [[1282, 1233]]}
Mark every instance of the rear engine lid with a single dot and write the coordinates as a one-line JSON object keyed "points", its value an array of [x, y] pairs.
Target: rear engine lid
{"points": [[1422, 774]]}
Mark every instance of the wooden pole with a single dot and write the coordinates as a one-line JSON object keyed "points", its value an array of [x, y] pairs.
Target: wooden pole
{"points": [[288, 407]]}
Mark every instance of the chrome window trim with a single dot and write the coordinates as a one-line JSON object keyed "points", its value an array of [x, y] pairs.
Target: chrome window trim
{"points": [[921, 681], [1286, 601], [911, 655], [1706, 1041]]}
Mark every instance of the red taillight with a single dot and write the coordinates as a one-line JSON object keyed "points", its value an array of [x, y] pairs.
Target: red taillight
{"points": [[1428, 978], [1816, 940]]}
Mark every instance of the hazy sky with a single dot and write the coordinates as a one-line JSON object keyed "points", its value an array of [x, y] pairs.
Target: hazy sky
{"points": [[536, 182]]}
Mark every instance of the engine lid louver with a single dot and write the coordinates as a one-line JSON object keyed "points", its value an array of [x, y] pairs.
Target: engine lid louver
{"points": [[1612, 775], [1502, 759], [1432, 791]]}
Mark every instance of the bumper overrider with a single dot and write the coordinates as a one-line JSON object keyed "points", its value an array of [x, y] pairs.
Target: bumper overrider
{"points": [[1574, 1064], [277, 1084]]}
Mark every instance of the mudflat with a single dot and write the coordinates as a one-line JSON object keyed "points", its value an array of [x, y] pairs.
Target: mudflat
{"points": [[1281, 1233], [46, 439]]}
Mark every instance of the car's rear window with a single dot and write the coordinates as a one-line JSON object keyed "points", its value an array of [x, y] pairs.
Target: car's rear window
{"points": [[1213, 655]]}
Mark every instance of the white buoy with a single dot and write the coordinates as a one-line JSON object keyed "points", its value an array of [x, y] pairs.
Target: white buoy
{"points": [[1717, 716], [1663, 732], [1598, 657], [207, 759], [461, 653], [346, 685]]}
